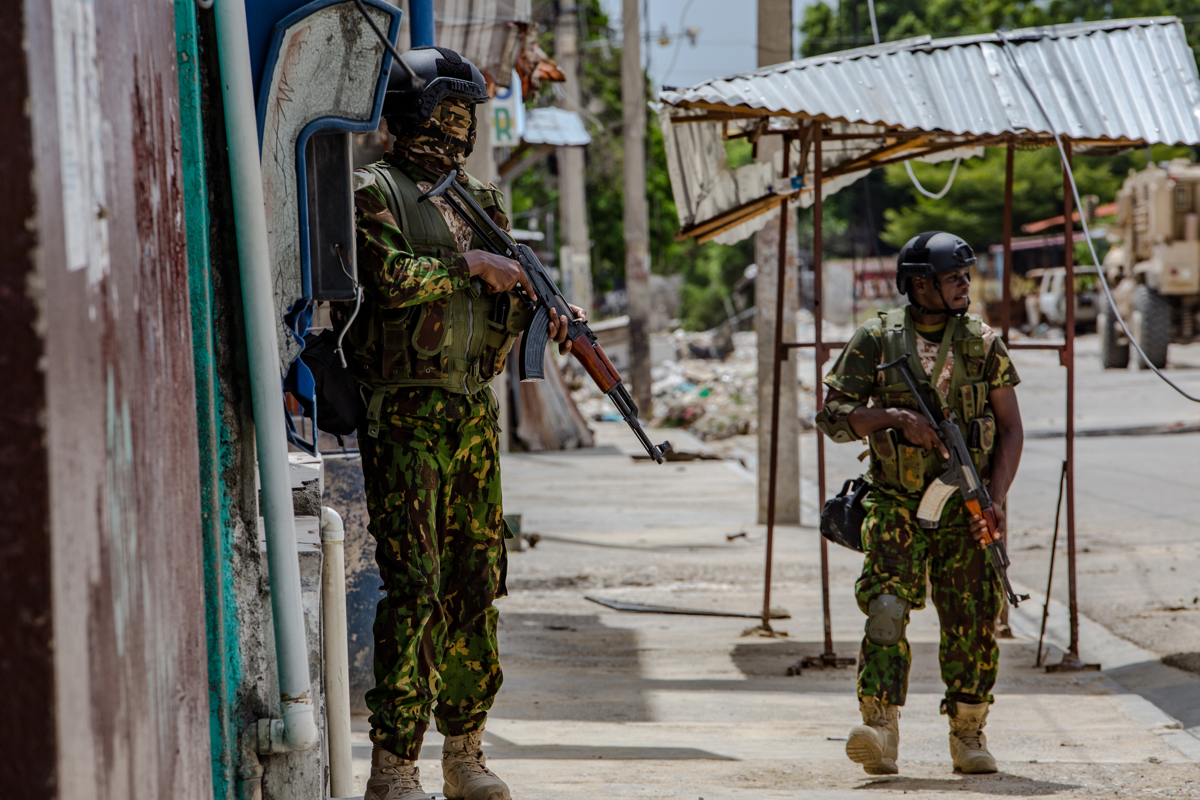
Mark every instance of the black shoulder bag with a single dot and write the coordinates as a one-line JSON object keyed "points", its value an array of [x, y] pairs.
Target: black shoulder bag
{"points": [[340, 406], [842, 517]]}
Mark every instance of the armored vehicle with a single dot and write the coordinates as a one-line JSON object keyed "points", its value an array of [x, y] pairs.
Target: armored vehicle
{"points": [[1154, 270]]}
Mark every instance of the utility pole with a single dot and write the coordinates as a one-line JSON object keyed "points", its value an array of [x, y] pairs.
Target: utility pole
{"points": [[637, 232], [775, 46], [575, 254]]}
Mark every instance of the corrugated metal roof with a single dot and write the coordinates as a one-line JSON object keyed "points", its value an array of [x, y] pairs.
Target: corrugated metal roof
{"points": [[555, 126], [1132, 79]]}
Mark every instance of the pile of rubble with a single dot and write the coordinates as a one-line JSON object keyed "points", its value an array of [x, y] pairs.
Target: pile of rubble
{"points": [[710, 388]]}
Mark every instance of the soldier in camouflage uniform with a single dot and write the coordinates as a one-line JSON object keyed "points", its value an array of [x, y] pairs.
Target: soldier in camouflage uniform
{"points": [[438, 318], [970, 375]]}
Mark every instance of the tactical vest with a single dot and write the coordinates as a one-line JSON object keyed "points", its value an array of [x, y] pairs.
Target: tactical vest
{"points": [[457, 344], [908, 468]]}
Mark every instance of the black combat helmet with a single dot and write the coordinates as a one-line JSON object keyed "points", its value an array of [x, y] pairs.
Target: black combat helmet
{"points": [[928, 255], [440, 73]]}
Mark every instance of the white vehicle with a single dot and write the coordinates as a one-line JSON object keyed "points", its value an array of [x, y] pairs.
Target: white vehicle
{"points": [[1049, 303]]}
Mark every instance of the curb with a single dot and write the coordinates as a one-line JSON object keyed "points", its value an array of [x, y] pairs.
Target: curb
{"points": [[1097, 644]]}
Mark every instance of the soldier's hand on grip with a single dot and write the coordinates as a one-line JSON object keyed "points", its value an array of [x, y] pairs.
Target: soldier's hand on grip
{"points": [[500, 274], [558, 328], [979, 526], [917, 430]]}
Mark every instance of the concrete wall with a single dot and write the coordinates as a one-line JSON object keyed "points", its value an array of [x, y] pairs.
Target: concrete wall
{"points": [[104, 640], [243, 676]]}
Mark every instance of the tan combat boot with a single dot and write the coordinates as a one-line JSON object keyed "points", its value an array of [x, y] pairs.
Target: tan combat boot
{"points": [[393, 778], [464, 768], [876, 743], [968, 745]]}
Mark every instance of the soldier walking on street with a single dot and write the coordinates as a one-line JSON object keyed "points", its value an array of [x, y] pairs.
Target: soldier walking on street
{"points": [[439, 317], [963, 368]]}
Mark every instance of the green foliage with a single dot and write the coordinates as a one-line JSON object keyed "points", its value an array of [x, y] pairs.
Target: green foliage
{"points": [[708, 270], [974, 206]]}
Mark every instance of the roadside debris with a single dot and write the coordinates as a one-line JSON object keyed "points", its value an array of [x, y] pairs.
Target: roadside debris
{"points": [[710, 388]]}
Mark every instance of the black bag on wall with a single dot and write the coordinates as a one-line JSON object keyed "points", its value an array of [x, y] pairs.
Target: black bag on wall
{"points": [[340, 406]]}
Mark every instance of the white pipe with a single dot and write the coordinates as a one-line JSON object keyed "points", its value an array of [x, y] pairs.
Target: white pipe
{"points": [[337, 656], [241, 131]]}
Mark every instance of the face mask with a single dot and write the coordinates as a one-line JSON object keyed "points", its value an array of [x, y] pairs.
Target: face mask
{"points": [[441, 143]]}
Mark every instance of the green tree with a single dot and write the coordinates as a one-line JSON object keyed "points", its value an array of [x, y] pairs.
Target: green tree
{"points": [[708, 270]]}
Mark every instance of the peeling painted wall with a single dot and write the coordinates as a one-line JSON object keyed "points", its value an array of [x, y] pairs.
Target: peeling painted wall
{"points": [[106, 382], [249, 690]]}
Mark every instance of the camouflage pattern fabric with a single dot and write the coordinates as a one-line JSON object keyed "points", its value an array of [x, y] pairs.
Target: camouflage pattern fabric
{"points": [[966, 593], [853, 374], [426, 145], [393, 276], [432, 481], [433, 493]]}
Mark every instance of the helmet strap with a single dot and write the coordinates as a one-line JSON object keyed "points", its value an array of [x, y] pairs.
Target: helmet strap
{"points": [[949, 310]]}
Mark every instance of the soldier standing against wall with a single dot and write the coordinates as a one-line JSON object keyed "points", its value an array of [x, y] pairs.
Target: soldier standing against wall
{"points": [[438, 318], [968, 371]]}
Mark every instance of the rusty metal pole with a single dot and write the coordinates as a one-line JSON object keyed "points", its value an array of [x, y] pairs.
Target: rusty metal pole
{"points": [[779, 354], [819, 356], [1068, 358], [1006, 314]]}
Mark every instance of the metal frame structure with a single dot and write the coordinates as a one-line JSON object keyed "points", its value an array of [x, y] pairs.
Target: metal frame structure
{"points": [[813, 134], [932, 100]]}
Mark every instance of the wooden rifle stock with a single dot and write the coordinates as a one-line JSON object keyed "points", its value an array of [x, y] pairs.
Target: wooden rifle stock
{"points": [[595, 363]]}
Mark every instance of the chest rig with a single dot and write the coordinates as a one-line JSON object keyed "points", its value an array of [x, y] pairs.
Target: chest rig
{"points": [[457, 344], [904, 467]]}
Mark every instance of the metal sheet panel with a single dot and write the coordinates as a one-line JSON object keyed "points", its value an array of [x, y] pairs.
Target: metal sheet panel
{"points": [[1134, 79], [1122, 79], [113, 356], [555, 126]]}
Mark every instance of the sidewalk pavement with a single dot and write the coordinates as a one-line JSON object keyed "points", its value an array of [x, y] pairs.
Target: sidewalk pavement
{"points": [[604, 704]]}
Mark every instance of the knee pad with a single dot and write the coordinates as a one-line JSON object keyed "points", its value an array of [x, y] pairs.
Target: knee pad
{"points": [[886, 619]]}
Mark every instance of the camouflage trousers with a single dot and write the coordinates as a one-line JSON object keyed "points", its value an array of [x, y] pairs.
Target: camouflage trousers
{"points": [[965, 591], [433, 494]]}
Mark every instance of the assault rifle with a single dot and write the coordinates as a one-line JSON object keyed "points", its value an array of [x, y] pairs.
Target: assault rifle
{"points": [[549, 301], [958, 475]]}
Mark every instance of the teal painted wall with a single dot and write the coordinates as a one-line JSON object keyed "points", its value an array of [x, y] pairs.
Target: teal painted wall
{"points": [[224, 663]]}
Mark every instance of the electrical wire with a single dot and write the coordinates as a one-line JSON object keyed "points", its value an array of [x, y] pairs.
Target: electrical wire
{"points": [[678, 41], [1087, 234], [874, 26], [926, 192], [417, 83]]}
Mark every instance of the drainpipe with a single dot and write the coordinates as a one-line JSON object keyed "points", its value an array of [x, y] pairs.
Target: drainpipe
{"points": [[337, 658], [420, 23], [298, 728]]}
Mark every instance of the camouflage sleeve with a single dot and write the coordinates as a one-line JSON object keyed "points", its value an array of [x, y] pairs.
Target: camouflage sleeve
{"points": [[999, 369], [853, 374], [390, 272]]}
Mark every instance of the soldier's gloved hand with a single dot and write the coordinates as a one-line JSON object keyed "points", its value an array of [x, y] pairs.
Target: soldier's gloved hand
{"points": [[917, 430], [499, 273], [979, 527], [558, 328]]}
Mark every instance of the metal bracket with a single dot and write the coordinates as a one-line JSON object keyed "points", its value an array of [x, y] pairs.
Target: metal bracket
{"points": [[822, 661], [1072, 663]]}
